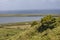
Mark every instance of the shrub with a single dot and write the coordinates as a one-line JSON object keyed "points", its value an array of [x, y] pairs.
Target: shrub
{"points": [[34, 23], [1, 26], [47, 22], [58, 21]]}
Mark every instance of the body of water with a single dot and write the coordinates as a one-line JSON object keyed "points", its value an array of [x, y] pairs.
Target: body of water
{"points": [[17, 19]]}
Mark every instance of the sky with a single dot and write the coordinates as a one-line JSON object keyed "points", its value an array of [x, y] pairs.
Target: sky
{"points": [[29, 4]]}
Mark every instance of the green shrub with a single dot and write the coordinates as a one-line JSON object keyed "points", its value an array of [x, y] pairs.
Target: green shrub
{"points": [[1, 26], [58, 21], [34, 23], [47, 22]]}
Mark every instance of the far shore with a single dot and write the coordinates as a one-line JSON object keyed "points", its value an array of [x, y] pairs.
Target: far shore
{"points": [[27, 15]]}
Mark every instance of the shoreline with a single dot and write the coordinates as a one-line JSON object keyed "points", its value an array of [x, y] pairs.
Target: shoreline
{"points": [[27, 15], [18, 23]]}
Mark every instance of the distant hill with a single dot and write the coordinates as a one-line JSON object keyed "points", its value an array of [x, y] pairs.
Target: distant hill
{"points": [[56, 11]]}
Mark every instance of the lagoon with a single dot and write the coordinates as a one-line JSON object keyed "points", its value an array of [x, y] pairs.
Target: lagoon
{"points": [[17, 19]]}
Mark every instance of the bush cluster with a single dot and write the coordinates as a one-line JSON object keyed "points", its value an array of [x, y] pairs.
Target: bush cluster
{"points": [[49, 22]]}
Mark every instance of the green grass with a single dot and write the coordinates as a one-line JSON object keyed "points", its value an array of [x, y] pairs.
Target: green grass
{"points": [[7, 33], [30, 33], [48, 34]]}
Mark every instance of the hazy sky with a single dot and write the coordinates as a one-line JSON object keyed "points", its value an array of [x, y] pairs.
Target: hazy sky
{"points": [[29, 4]]}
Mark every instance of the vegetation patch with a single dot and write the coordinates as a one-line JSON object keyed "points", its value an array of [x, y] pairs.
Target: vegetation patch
{"points": [[48, 28]]}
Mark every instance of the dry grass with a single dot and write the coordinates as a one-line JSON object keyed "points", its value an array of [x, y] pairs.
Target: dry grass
{"points": [[19, 26]]}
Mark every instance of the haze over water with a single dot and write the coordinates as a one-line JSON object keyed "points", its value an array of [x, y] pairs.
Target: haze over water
{"points": [[18, 19], [27, 7]]}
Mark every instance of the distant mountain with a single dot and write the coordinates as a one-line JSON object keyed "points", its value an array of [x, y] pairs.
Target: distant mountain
{"points": [[56, 11]]}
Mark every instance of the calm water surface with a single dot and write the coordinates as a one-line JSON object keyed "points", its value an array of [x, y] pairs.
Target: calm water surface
{"points": [[17, 19]]}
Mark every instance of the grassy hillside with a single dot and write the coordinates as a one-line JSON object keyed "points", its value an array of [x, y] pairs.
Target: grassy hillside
{"points": [[48, 28]]}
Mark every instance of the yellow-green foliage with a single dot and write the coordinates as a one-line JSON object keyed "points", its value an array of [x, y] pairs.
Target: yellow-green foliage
{"points": [[48, 34], [32, 33], [48, 21], [34, 23], [57, 21], [7, 33]]}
